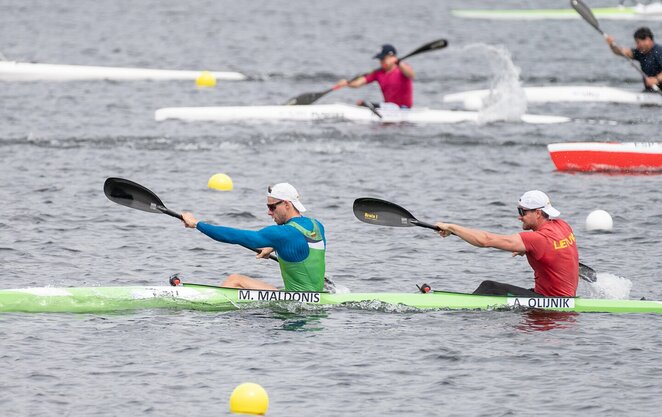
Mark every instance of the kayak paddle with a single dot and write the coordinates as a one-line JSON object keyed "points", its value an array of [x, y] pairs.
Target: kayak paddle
{"points": [[373, 109], [309, 98], [384, 213], [130, 194], [586, 13]]}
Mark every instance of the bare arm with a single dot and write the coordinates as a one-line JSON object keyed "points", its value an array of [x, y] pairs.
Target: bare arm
{"points": [[482, 238], [407, 71], [358, 82], [626, 52]]}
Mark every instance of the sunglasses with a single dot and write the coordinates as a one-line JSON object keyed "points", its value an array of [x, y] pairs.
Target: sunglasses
{"points": [[272, 207], [522, 211]]}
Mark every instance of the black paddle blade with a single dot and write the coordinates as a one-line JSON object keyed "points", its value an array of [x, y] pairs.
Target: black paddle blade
{"points": [[587, 273], [430, 46], [130, 194], [373, 109], [382, 213], [306, 98], [585, 12]]}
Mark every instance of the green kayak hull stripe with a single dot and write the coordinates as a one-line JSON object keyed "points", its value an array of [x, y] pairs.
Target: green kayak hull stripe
{"points": [[202, 297]]}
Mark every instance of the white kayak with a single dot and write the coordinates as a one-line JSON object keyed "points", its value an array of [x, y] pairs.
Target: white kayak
{"points": [[476, 99], [332, 112], [24, 71], [651, 11]]}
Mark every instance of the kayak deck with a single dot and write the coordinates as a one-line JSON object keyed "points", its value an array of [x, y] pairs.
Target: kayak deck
{"points": [[25, 71], [475, 99], [203, 297], [651, 11], [332, 112]]}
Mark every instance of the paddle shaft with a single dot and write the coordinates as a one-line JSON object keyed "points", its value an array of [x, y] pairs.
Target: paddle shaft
{"points": [[169, 212], [423, 224], [147, 198], [631, 62], [586, 13], [586, 273], [385, 213], [271, 255], [179, 216], [373, 109], [409, 55]]}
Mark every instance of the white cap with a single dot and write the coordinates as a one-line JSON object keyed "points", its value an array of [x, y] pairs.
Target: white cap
{"points": [[536, 199], [285, 191]]}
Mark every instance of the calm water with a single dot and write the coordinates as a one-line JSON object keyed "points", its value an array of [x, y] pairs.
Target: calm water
{"points": [[59, 142]]}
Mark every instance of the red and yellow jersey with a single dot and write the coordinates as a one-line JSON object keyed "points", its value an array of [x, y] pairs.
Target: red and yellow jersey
{"points": [[552, 253]]}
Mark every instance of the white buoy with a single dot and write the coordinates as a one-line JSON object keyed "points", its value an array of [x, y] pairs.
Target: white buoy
{"points": [[599, 220]]}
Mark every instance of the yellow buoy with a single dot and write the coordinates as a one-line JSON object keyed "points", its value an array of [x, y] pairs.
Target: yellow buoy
{"points": [[249, 398], [205, 79], [220, 182]]}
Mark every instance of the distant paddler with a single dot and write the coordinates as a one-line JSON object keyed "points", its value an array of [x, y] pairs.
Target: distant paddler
{"points": [[299, 241], [395, 78], [647, 52]]}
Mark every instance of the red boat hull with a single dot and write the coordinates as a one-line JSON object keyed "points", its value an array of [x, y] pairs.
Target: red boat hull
{"points": [[607, 156]]}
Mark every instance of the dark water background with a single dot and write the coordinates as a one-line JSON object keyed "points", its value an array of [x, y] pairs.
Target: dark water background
{"points": [[58, 143]]}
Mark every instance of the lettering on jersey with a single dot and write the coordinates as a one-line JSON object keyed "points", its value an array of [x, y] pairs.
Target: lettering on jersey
{"points": [[542, 302], [564, 243], [264, 295]]}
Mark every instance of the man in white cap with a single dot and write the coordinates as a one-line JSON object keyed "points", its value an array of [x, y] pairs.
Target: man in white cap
{"points": [[550, 247], [299, 241]]}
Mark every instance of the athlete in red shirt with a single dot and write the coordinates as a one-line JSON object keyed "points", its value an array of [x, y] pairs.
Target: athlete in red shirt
{"points": [[550, 248], [394, 78]]}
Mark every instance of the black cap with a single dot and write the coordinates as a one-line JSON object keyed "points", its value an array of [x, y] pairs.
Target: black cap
{"points": [[386, 51]]}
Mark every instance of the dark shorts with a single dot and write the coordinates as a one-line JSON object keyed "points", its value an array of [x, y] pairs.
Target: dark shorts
{"points": [[499, 288]]}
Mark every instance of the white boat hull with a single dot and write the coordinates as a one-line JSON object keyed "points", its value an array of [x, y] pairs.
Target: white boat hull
{"points": [[331, 112], [23, 71], [476, 99]]}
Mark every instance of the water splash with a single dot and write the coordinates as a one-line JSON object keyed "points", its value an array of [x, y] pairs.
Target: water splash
{"points": [[506, 100], [610, 286], [333, 287]]}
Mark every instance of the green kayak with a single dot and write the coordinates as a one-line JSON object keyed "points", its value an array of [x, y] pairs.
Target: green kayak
{"points": [[205, 297], [639, 12]]}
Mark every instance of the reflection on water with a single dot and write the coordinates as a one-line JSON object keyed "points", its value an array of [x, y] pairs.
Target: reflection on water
{"points": [[301, 321], [543, 320]]}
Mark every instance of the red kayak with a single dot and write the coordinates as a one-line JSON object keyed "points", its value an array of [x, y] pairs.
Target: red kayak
{"points": [[607, 156]]}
